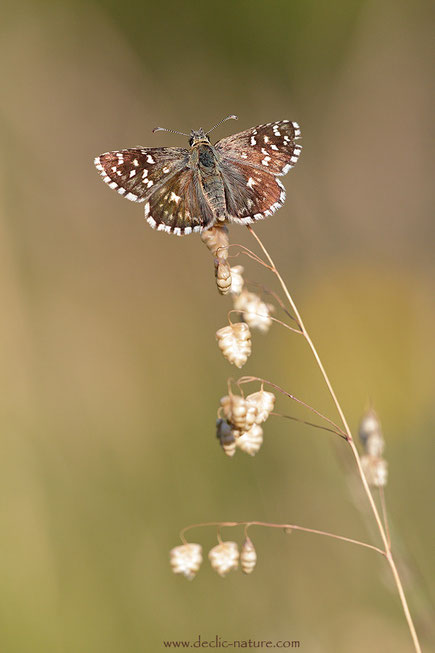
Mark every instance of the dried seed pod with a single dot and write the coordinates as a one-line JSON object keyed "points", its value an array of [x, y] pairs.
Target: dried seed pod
{"points": [[217, 240], [186, 559], [251, 441], [375, 470], [237, 281], [264, 403], [369, 424], [370, 433], [223, 276], [235, 343], [248, 556], [255, 312], [226, 436], [375, 444], [224, 557], [238, 412]]}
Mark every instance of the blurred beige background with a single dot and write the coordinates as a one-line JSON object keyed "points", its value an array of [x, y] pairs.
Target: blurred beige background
{"points": [[110, 375]]}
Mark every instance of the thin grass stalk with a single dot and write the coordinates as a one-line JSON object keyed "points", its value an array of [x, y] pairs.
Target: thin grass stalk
{"points": [[383, 534]]}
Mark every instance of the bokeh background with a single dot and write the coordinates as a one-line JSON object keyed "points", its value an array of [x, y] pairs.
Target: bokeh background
{"points": [[110, 375]]}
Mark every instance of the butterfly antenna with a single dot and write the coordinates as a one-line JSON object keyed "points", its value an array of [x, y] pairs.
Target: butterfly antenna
{"points": [[163, 129], [220, 123]]}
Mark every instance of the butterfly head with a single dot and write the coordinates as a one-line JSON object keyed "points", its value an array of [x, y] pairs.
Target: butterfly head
{"points": [[198, 136]]}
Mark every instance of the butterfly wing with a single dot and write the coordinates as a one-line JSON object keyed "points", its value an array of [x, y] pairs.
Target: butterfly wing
{"points": [[178, 206], [138, 172], [251, 194], [271, 147]]}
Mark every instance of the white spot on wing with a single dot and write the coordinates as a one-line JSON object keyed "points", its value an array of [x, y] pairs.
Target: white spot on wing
{"points": [[174, 198], [251, 183], [150, 159]]}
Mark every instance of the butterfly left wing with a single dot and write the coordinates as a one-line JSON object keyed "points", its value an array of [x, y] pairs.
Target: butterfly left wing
{"points": [[271, 147], [179, 206], [137, 172]]}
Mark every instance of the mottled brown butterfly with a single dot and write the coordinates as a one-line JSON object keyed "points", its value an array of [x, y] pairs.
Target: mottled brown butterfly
{"points": [[188, 190]]}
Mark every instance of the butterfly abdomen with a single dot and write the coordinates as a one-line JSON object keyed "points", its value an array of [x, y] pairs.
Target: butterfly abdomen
{"points": [[211, 181]]}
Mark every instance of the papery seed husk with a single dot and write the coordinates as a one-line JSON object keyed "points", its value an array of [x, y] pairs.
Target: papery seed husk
{"points": [[223, 277], [237, 281], [375, 470], [186, 559], [264, 403], [248, 556], [255, 312], [251, 441], [224, 557], [235, 343]]}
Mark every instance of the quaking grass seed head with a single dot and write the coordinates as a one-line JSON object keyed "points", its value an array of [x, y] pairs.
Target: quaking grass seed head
{"points": [[250, 441], [224, 557], [237, 281], [248, 556], [223, 277], [264, 403], [375, 470], [186, 559], [254, 311], [370, 434], [238, 411], [234, 341]]}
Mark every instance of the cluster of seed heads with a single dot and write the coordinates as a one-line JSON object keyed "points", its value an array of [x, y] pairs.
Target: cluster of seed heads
{"points": [[375, 467], [186, 559], [241, 417]]}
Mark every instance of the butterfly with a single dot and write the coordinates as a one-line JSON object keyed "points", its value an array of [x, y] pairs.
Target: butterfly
{"points": [[188, 190]]}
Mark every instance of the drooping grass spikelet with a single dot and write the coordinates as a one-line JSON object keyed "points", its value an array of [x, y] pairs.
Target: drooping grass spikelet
{"points": [[248, 556], [254, 311], [238, 411], [237, 281], [264, 402], [250, 441], [217, 240], [375, 470], [224, 557], [186, 559], [234, 341]]}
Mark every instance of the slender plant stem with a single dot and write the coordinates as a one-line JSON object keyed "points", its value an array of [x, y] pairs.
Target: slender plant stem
{"points": [[385, 514], [289, 527], [351, 442]]}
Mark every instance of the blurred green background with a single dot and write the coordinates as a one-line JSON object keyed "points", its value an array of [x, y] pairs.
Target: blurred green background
{"points": [[110, 375]]}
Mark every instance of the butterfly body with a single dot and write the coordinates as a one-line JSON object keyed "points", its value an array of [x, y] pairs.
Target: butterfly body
{"points": [[187, 190]]}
